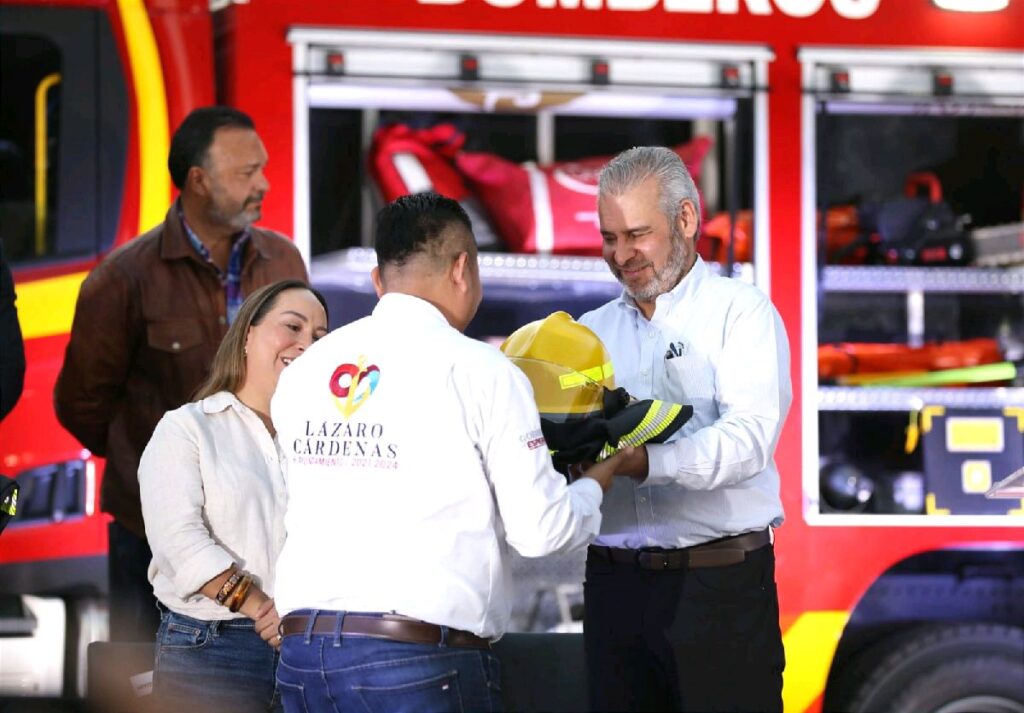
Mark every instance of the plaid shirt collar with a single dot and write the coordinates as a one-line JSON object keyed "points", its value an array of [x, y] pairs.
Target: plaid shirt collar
{"points": [[232, 279]]}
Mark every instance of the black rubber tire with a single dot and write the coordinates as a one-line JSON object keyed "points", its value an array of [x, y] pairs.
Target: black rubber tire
{"points": [[939, 665], [976, 684]]}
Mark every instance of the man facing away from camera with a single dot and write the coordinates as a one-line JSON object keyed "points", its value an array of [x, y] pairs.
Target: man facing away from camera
{"points": [[415, 459]]}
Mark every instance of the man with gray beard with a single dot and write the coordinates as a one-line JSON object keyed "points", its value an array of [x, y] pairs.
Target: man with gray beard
{"points": [[149, 319], [681, 610]]}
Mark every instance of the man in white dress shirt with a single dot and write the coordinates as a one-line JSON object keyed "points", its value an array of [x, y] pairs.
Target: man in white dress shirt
{"points": [[415, 458], [681, 607]]}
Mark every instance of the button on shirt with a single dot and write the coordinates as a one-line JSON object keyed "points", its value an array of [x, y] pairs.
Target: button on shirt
{"points": [[414, 455], [213, 494], [719, 345]]}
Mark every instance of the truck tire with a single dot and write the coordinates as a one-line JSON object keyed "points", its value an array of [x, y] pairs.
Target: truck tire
{"points": [[976, 684], [961, 668]]}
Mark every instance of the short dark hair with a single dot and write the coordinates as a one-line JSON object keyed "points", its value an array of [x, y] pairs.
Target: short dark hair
{"points": [[193, 137], [415, 223]]}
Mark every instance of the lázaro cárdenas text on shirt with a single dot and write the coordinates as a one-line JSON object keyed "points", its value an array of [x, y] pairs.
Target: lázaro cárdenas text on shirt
{"points": [[345, 439]]}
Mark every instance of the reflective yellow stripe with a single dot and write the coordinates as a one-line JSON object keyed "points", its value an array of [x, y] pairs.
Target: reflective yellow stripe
{"points": [[659, 415], [579, 378], [657, 420], [9, 506], [810, 645], [46, 307], [151, 109]]}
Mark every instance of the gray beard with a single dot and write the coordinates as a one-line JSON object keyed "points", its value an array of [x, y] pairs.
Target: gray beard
{"points": [[237, 222], [664, 279]]}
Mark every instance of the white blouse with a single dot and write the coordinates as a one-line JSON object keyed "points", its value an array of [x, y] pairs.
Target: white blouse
{"points": [[213, 493]]}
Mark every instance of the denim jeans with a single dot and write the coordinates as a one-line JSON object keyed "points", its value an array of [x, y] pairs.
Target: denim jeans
{"points": [[212, 666], [329, 673]]}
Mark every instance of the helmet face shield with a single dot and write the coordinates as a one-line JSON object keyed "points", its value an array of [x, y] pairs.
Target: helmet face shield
{"points": [[562, 393], [565, 362]]}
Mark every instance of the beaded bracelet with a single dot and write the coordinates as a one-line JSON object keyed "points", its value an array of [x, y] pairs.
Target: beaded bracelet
{"points": [[229, 585]]}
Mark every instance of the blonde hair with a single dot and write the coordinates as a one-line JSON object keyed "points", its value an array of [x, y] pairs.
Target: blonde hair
{"points": [[227, 372]]}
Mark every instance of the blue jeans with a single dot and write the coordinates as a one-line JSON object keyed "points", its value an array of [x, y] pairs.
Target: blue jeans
{"points": [[328, 673], [212, 666]]}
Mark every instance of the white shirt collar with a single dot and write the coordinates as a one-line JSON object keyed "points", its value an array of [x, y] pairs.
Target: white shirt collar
{"points": [[406, 306], [686, 287], [220, 401]]}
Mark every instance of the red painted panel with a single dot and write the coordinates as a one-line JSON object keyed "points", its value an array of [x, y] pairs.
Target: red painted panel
{"points": [[32, 437], [77, 537], [30, 433], [184, 36]]}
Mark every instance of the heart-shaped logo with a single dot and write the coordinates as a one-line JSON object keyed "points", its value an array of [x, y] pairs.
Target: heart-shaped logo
{"points": [[353, 384]]}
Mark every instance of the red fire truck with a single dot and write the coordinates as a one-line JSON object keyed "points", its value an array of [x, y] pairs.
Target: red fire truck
{"points": [[861, 161]]}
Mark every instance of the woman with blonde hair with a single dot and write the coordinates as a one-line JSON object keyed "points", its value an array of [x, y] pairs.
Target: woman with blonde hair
{"points": [[213, 500]]}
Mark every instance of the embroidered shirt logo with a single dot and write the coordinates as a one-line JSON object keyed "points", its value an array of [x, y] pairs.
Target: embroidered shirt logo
{"points": [[675, 349], [352, 384], [533, 440]]}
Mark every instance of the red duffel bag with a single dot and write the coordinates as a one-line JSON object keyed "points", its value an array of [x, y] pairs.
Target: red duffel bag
{"points": [[404, 160], [549, 209]]}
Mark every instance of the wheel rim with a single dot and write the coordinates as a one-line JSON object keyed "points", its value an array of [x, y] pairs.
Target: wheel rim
{"points": [[982, 704]]}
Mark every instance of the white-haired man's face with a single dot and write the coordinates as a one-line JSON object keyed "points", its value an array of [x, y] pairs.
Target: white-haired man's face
{"points": [[647, 253]]}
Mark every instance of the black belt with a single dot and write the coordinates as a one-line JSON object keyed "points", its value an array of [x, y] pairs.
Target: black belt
{"points": [[385, 626], [717, 553]]}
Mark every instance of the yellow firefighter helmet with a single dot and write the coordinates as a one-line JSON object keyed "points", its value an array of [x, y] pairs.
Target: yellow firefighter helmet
{"points": [[566, 363]]}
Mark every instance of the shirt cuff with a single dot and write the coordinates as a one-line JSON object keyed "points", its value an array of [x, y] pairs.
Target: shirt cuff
{"points": [[589, 489], [191, 575], [662, 463]]}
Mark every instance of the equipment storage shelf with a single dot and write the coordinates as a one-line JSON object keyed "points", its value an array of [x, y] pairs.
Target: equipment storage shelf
{"points": [[859, 398], [964, 280], [516, 128], [913, 223]]}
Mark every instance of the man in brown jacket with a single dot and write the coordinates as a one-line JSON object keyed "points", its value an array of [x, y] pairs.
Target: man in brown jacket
{"points": [[149, 319]]}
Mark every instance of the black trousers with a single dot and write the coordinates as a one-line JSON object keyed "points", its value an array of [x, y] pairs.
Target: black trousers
{"points": [[703, 639], [133, 612]]}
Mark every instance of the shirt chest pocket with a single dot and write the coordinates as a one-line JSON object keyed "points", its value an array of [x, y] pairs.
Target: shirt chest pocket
{"points": [[174, 336], [690, 377]]}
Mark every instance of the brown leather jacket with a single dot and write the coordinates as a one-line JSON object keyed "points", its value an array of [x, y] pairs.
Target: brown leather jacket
{"points": [[148, 321]]}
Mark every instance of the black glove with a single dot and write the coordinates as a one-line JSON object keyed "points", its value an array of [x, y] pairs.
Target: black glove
{"points": [[622, 423]]}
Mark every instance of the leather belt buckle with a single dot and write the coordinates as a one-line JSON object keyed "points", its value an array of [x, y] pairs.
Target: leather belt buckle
{"points": [[660, 560]]}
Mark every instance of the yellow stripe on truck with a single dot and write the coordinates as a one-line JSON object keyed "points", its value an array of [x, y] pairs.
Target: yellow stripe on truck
{"points": [[151, 109], [46, 307], [810, 645]]}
